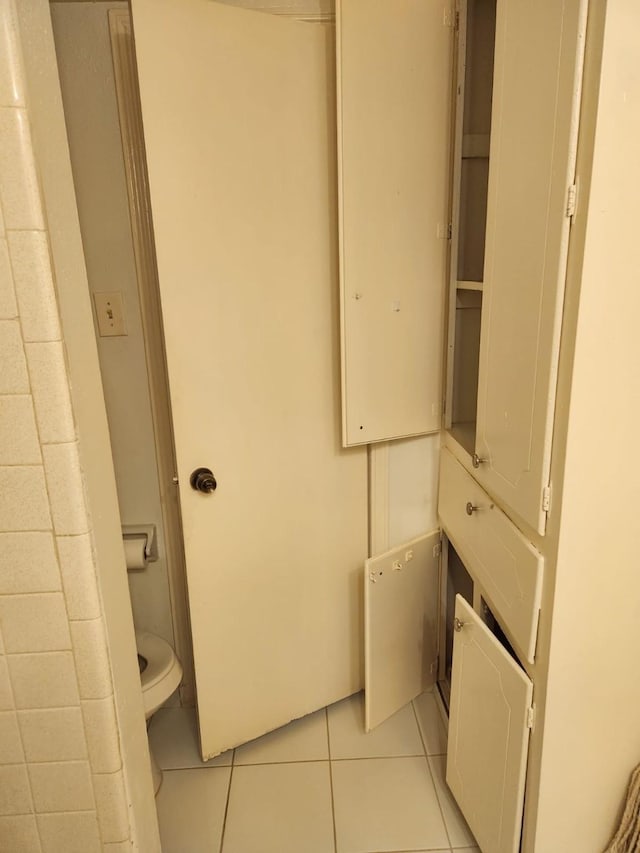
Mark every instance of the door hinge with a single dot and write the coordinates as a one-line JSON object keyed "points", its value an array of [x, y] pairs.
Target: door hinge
{"points": [[546, 499], [531, 716], [572, 194]]}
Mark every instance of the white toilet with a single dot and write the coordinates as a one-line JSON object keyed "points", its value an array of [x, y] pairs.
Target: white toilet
{"points": [[160, 675]]}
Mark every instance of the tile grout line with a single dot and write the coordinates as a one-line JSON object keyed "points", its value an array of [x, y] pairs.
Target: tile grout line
{"points": [[333, 805], [226, 805], [433, 782]]}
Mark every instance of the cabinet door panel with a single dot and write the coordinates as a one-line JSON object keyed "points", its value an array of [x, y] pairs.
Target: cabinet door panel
{"points": [[537, 74], [488, 734], [394, 113], [401, 623]]}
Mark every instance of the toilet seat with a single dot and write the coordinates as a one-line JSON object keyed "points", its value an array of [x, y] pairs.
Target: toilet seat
{"points": [[162, 674]]}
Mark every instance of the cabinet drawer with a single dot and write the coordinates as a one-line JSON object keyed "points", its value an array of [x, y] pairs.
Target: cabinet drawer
{"points": [[507, 567]]}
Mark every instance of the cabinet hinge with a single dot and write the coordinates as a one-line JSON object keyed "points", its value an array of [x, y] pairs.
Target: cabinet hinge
{"points": [[546, 499], [572, 194], [450, 18], [531, 715]]}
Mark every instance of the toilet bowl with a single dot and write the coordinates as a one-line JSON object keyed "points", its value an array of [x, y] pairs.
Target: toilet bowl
{"points": [[160, 675]]}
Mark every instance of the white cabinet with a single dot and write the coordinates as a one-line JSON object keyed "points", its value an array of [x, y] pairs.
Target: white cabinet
{"points": [[538, 112]]}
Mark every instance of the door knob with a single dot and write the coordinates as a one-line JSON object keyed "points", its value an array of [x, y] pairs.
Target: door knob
{"points": [[202, 480], [471, 508]]}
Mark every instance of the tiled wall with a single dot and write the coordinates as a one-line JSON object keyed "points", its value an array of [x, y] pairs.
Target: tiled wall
{"points": [[61, 780]]}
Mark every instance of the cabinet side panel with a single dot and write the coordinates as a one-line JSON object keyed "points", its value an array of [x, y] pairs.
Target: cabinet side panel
{"points": [[591, 726]]}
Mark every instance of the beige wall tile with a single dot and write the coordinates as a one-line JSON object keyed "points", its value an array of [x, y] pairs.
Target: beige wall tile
{"points": [[13, 376], [62, 786], [54, 734], [78, 576], [48, 375], [71, 832], [15, 793], [34, 623], [24, 504], [33, 281], [28, 563], [20, 832], [102, 735], [10, 742], [92, 659], [6, 694], [8, 304], [18, 181], [46, 680], [19, 444], [111, 806], [66, 492], [11, 83]]}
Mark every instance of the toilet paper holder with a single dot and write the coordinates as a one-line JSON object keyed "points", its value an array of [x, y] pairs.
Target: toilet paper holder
{"points": [[131, 531]]}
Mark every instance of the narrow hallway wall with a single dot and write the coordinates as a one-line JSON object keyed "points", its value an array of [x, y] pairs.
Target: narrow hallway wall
{"points": [[61, 773]]}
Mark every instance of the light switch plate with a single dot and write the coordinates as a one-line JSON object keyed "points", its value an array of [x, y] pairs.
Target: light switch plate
{"points": [[110, 314]]}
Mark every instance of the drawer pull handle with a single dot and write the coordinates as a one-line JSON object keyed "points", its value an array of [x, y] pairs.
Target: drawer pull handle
{"points": [[477, 461], [471, 508], [458, 624]]}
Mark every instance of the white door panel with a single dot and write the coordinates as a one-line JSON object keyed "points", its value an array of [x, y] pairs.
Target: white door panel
{"points": [[238, 111], [488, 734], [536, 89], [401, 625], [394, 105]]}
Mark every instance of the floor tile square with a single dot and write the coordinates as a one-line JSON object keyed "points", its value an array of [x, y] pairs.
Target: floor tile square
{"points": [[399, 735], [459, 833], [280, 808], [386, 804], [173, 737], [431, 724], [191, 806], [301, 740]]}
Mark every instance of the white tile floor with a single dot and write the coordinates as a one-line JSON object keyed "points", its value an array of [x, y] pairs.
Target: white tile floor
{"points": [[318, 785]]}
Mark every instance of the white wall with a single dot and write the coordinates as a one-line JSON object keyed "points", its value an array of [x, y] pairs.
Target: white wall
{"points": [[73, 776], [413, 487], [83, 48]]}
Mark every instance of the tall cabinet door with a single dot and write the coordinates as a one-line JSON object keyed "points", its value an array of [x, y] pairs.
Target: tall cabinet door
{"points": [[537, 74], [489, 721], [394, 60]]}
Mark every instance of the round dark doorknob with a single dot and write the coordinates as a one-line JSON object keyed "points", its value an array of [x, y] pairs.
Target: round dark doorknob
{"points": [[202, 480]]}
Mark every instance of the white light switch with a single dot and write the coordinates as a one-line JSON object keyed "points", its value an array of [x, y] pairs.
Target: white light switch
{"points": [[110, 314]]}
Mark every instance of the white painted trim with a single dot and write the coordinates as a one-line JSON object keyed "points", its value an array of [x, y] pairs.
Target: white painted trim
{"points": [[310, 11], [128, 98]]}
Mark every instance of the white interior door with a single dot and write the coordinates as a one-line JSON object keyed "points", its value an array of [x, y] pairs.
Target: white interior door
{"points": [[489, 717], [536, 96], [238, 109], [401, 625]]}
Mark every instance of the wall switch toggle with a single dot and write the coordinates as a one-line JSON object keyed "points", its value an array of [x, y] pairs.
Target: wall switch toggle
{"points": [[110, 314]]}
